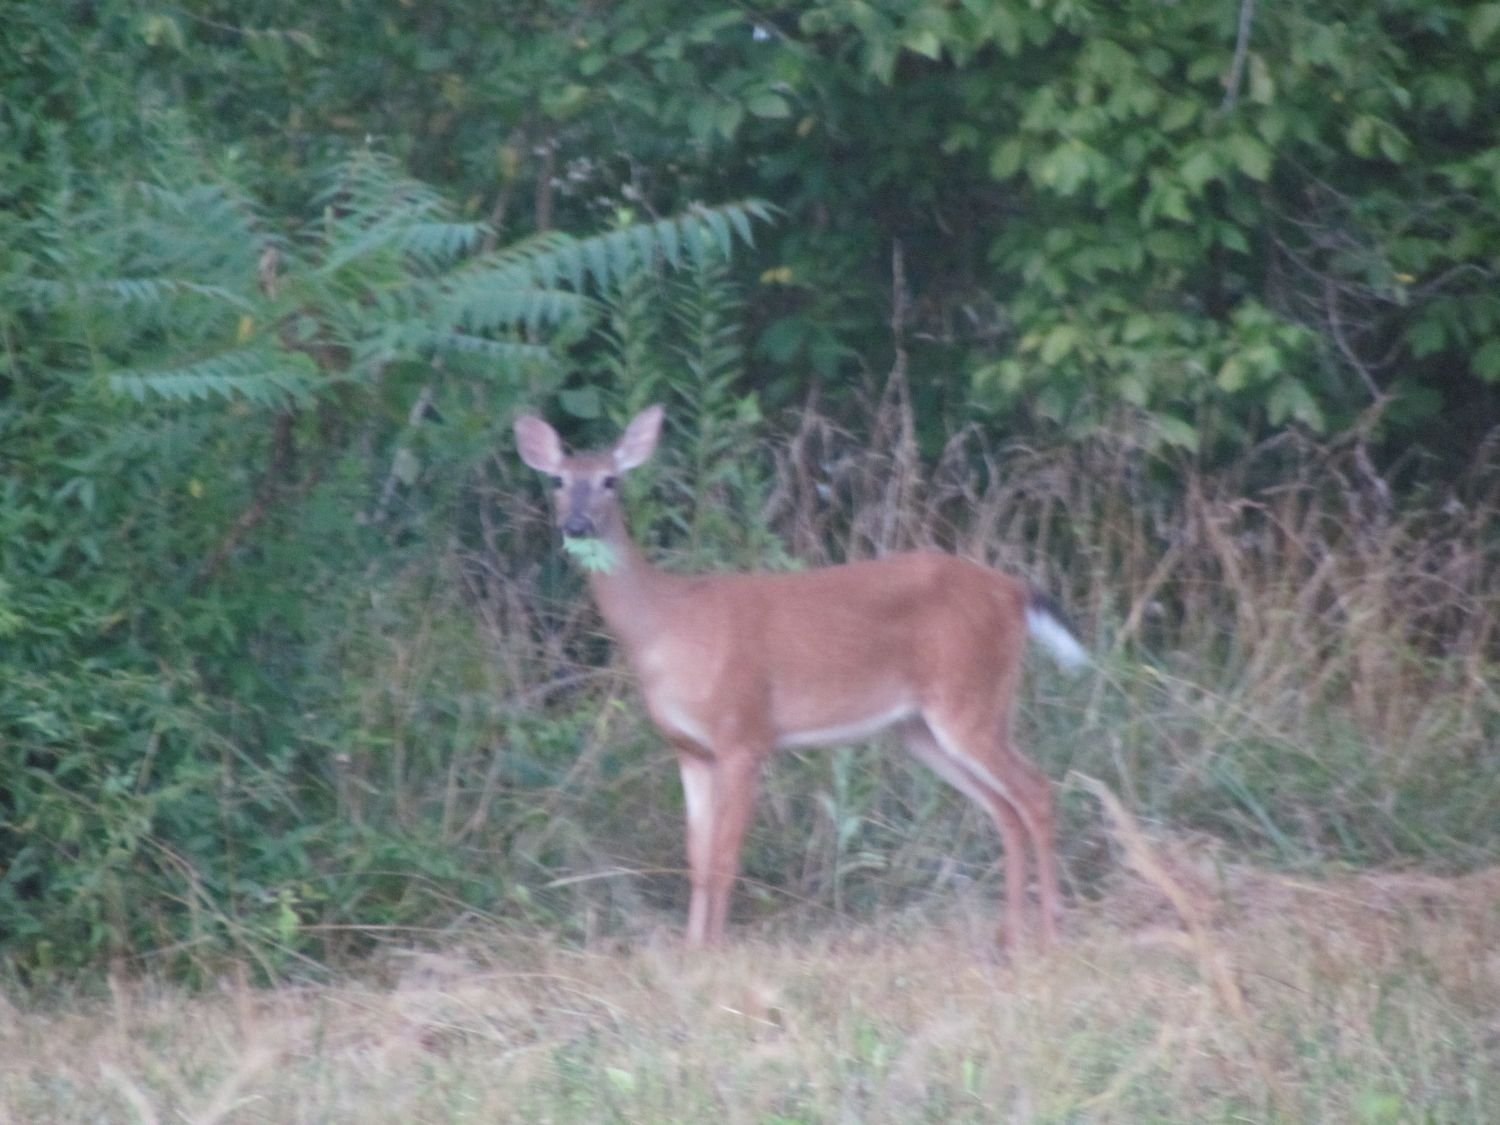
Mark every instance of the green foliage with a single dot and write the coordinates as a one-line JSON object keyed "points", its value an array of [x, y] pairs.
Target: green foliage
{"points": [[1228, 225], [1228, 229], [207, 409], [678, 341]]}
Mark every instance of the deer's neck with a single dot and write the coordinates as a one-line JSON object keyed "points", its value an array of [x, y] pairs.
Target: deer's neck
{"points": [[630, 594]]}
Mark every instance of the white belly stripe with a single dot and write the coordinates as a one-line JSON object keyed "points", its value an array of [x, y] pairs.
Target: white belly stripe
{"points": [[846, 732]]}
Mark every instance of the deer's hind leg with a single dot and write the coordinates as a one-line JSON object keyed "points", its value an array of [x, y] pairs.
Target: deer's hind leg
{"points": [[969, 746]]}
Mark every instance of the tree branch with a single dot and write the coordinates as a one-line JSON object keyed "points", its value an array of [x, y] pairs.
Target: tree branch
{"points": [[1236, 76]]}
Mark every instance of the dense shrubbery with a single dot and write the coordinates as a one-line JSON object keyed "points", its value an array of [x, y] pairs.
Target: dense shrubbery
{"points": [[287, 658], [228, 448]]}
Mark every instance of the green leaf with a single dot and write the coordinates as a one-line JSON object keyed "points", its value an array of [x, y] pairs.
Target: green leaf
{"points": [[1232, 376], [1393, 143], [783, 339], [158, 30], [1167, 200], [1138, 327], [707, 28], [1290, 398], [566, 101], [1232, 238], [880, 61], [1059, 341], [700, 119], [1175, 245], [924, 42], [727, 118], [1198, 169], [1131, 388], [1176, 431], [1427, 336], [1064, 169], [1449, 92], [629, 41], [1483, 23], [767, 104], [1007, 157], [999, 23], [581, 402], [1360, 136], [1262, 85], [1486, 361], [592, 555], [1251, 156], [1179, 113]]}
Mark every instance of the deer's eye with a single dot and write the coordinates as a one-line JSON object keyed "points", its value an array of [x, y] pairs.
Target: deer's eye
{"points": [[609, 483], [557, 482]]}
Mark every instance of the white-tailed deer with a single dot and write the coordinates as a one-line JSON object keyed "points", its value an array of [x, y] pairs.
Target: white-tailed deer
{"points": [[733, 666]]}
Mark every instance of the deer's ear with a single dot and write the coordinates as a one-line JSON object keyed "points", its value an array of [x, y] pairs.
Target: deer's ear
{"points": [[538, 444], [639, 440]]}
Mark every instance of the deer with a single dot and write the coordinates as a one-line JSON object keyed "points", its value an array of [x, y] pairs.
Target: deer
{"points": [[734, 666]]}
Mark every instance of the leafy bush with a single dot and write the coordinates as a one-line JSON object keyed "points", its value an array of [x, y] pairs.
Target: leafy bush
{"points": [[209, 414]]}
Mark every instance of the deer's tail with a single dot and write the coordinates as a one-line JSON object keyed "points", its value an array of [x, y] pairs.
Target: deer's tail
{"points": [[1046, 622]]}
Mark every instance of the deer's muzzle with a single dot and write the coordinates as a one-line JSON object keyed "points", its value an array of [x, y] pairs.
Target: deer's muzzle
{"points": [[578, 526]]}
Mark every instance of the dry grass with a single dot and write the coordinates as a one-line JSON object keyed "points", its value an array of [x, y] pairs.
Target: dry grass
{"points": [[1373, 998]]}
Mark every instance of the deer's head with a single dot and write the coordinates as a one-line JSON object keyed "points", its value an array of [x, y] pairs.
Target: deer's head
{"points": [[585, 486]]}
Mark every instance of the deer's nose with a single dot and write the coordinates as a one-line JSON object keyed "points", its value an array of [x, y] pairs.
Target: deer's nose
{"points": [[578, 526]]}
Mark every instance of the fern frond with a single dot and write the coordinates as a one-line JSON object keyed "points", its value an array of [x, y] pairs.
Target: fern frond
{"points": [[519, 286], [709, 233], [349, 241], [417, 232], [507, 352], [718, 228], [372, 183], [436, 241], [205, 231], [257, 374], [537, 259], [705, 308], [370, 206], [486, 302], [419, 338], [43, 293], [210, 207], [671, 243]]}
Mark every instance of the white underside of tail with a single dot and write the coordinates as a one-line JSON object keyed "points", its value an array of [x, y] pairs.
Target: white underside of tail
{"points": [[1056, 639]]}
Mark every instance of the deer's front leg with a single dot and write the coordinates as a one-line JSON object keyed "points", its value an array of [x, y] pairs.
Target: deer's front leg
{"points": [[718, 795], [736, 776], [697, 770]]}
